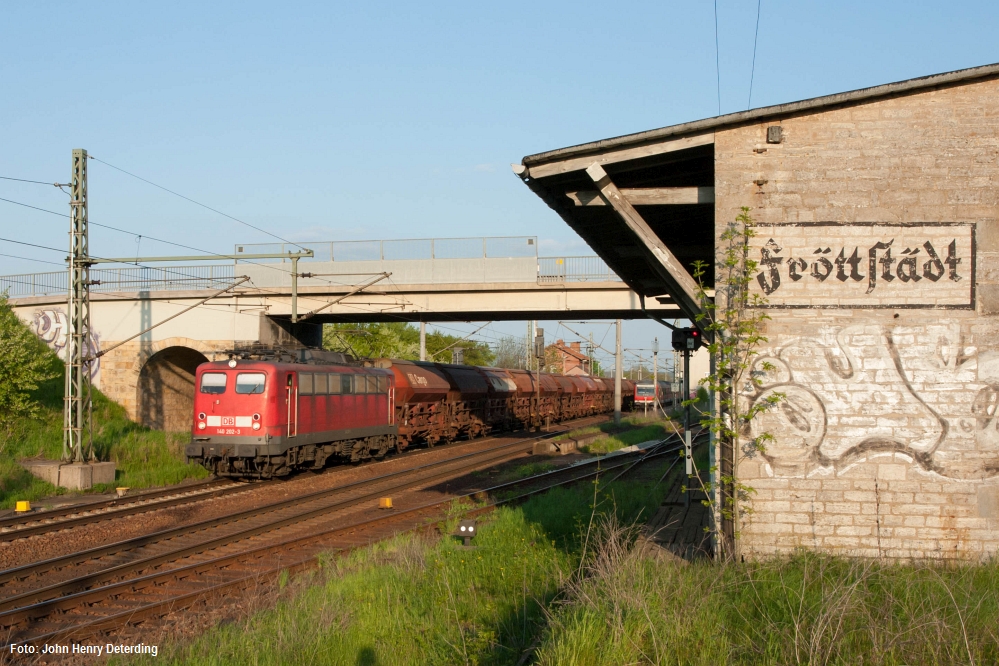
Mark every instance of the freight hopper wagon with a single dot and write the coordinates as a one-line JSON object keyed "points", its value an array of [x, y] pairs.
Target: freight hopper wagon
{"points": [[258, 419]]}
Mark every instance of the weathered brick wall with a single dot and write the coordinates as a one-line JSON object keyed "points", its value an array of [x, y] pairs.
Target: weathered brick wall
{"points": [[153, 381], [887, 442]]}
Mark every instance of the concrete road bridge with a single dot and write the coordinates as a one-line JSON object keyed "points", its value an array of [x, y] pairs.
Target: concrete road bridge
{"points": [[428, 280]]}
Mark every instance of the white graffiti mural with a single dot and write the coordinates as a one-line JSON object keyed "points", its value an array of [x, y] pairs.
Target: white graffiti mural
{"points": [[53, 327], [854, 391]]}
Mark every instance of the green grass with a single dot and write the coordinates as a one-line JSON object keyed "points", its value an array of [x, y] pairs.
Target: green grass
{"points": [[634, 429], [145, 457], [807, 609], [411, 600], [530, 469], [556, 581]]}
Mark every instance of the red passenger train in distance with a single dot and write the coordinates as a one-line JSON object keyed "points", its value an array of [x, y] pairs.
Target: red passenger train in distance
{"points": [[264, 417], [645, 393]]}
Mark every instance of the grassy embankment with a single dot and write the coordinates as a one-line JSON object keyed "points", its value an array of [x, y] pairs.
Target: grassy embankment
{"points": [[554, 582], [633, 430], [145, 457]]}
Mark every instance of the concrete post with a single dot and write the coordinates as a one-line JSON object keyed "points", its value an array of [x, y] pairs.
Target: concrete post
{"points": [[655, 376], [423, 341], [617, 373], [294, 290]]}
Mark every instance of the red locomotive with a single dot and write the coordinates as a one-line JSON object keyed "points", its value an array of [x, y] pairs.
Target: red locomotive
{"points": [[264, 418]]}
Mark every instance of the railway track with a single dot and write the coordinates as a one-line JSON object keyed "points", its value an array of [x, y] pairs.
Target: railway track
{"points": [[20, 527], [133, 579], [39, 590], [55, 520]]}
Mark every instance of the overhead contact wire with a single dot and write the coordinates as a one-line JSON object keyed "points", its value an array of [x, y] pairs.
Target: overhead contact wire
{"points": [[197, 203]]}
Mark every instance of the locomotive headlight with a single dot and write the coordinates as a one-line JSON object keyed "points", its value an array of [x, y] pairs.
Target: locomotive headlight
{"points": [[201, 425], [256, 425], [201, 416], [256, 417], [232, 363]]}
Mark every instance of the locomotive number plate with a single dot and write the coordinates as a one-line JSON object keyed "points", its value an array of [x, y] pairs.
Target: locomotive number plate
{"points": [[228, 431]]}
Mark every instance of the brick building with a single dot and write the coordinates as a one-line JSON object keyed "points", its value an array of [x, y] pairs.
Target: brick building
{"points": [[570, 359], [877, 231]]}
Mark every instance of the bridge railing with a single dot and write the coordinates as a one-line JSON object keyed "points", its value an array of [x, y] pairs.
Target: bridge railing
{"points": [[487, 247], [551, 270], [574, 269], [127, 280]]}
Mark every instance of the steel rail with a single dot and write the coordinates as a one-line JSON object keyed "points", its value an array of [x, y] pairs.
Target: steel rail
{"points": [[184, 600], [18, 527], [34, 516], [465, 462], [109, 511]]}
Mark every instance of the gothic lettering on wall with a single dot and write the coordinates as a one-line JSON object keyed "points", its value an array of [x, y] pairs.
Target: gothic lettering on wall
{"points": [[869, 265]]}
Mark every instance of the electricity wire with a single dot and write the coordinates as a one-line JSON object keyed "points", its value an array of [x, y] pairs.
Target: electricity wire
{"points": [[152, 238], [25, 180], [197, 203], [185, 275], [756, 40], [717, 58], [39, 261]]}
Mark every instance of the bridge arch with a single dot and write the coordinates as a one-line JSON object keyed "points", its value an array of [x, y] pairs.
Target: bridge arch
{"points": [[165, 390]]}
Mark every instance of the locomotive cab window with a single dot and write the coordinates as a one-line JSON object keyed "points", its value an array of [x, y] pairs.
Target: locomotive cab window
{"points": [[321, 388], [360, 386], [372, 384], [305, 383], [213, 382], [382, 384], [336, 385], [346, 384], [250, 383], [646, 391]]}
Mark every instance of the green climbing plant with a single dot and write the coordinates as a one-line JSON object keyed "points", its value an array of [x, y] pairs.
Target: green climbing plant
{"points": [[735, 320]]}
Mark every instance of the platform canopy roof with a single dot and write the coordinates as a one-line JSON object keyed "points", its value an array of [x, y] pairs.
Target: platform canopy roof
{"points": [[645, 202]]}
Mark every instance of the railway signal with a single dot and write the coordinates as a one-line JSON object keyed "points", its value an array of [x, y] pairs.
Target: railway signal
{"points": [[686, 341]]}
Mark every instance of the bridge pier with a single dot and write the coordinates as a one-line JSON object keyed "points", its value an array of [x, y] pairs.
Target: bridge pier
{"points": [[154, 381]]}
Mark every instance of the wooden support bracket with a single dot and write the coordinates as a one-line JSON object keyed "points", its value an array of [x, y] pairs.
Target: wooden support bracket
{"points": [[649, 196], [679, 283]]}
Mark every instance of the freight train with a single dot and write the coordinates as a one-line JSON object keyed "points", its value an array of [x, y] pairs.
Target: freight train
{"points": [[260, 418]]}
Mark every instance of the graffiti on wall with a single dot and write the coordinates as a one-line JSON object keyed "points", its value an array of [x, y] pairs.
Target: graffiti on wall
{"points": [[865, 265], [853, 391], [53, 327]]}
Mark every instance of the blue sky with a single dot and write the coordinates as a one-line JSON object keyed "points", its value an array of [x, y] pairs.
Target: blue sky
{"points": [[325, 121]]}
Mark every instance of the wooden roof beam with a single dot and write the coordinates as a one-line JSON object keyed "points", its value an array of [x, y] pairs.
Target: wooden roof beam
{"points": [[613, 156], [678, 281], [649, 196]]}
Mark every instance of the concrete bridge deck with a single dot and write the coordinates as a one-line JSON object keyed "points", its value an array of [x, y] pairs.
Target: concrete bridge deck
{"points": [[152, 376]]}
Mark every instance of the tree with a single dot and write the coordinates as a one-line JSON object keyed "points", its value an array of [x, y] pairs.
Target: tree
{"points": [[439, 346], [510, 352], [401, 340], [24, 364], [736, 320], [379, 340]]}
